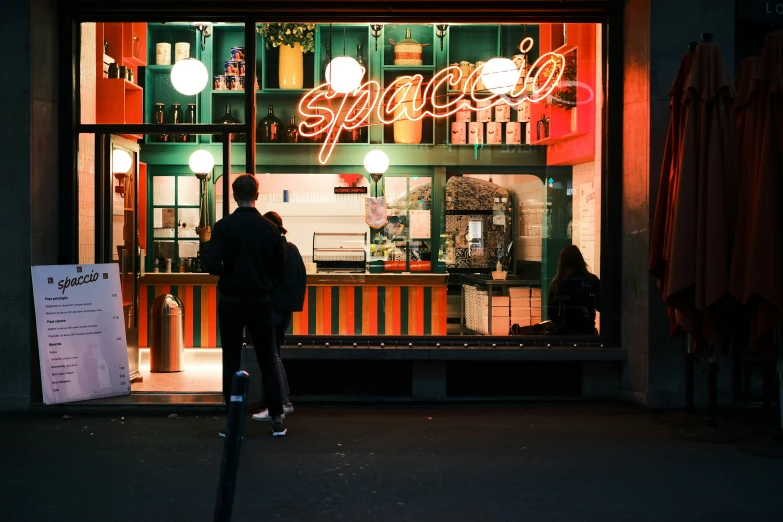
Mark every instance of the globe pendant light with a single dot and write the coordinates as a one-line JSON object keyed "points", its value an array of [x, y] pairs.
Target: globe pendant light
{"points": [[189, 76], [201, 163], [500, 75], [344, 74]]}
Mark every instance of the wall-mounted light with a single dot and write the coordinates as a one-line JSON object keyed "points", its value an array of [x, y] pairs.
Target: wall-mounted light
{"points": [[376, 33], [205, 28], [201, 163], [189, 76], [121, 162], [440, 32], [376, 162]]}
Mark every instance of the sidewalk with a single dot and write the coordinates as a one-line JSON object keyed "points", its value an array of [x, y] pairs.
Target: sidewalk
{"points": [[531, 463]]}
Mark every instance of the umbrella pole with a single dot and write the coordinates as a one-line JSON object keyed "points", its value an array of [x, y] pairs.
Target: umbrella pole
{"points": [[689, 375], [712, 388], [779, 335]]}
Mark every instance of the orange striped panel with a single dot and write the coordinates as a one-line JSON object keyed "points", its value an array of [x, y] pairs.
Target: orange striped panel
{"points": [[397, 318], [302, 322], [326, 303], [416, 310], [372, 309], [143, 315], [342, 318], [439, 311], [388, 314], [366, 303], [187, 301], [212, 307], [319, 318], [349, 311], [204, 326]]}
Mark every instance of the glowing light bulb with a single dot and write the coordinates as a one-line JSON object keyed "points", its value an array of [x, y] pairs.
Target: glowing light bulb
{"points": [[344, 74], [189, 76], [500, 75]]}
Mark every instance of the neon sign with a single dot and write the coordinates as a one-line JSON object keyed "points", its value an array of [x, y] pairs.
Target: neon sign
{"points": [[411, 98]]}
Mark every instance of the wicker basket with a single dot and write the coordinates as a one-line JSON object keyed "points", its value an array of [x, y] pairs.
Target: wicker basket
{"points": [[204, 233], [408, 51]]}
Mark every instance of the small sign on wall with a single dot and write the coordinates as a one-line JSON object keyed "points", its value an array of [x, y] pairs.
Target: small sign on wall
{"points": [[350, 190]]}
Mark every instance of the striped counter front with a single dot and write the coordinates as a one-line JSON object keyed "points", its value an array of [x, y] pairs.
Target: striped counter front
{"points": [[335, 304]]}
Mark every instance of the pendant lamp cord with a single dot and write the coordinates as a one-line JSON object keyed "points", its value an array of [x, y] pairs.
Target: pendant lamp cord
{"points": [[344, 33]]}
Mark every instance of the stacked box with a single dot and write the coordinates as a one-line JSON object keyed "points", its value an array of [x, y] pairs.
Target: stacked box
{"points": [[535, 305], [520, 312]]}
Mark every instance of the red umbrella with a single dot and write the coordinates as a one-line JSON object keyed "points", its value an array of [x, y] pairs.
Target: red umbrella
{"points": [[758, 282], [667, 189], [705, 205]]}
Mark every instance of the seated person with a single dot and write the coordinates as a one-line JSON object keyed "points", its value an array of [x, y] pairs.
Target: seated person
{"points": [[573, 295]]}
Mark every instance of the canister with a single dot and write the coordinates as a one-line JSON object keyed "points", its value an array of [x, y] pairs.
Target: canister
{"points": [[463, 116], [503, 112], [241, 68], [220, 83], [232, 68], [464, 66], [163, 53], [484, 114], [513, 133], [480, 85], [232, 83], [494, 133], [238, 54], [181, 51], [475, 133], [523, 111], [458, 132]]}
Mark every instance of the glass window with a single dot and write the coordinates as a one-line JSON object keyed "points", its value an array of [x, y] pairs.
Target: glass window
{"points": [[486, 221]]}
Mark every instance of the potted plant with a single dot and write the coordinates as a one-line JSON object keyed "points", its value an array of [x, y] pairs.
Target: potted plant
{"points": [[293, 40]]}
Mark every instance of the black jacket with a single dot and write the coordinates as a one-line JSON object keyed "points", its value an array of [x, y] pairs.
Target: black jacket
{"points": [[289, 291], [573, 302], [246, 252]]}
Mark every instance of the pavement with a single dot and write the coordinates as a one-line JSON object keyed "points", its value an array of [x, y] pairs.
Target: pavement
{"points": [[574, 463]]}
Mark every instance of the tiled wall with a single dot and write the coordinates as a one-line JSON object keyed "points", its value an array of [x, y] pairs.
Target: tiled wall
{"points": [[86, 156]]}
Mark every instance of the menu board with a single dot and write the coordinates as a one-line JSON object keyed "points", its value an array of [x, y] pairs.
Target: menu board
{"points": [[81, 332]]}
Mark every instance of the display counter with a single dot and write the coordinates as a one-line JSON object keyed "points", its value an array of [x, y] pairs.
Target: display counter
{"points": [[335, 304]]}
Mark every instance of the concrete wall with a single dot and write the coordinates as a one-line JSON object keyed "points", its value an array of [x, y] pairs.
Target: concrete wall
{"points": [[656, 36], [28, 147]]}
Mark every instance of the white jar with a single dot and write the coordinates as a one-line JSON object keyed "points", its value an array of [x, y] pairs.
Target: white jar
{"points": [[163, 54], [181, 51], [458, 133]]}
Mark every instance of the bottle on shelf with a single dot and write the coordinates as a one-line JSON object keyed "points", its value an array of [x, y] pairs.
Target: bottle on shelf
{"points": [[292, 133], [360, 59], [325, 61], [270, 128], [176, 118], [159, 117], [191, 118], [229, 119]]}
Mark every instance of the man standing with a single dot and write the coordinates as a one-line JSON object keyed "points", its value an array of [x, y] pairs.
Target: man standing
{"points": [[246, 252]]}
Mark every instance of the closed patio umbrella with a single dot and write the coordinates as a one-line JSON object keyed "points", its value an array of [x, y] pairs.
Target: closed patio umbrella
{"points": [[756, 271], [660, 247], [705, 205]]}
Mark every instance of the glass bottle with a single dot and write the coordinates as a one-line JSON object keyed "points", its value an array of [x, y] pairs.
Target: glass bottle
{"points": [[325, 61], [159, 117], [191, 118], [270, 128], [360, 59], [229, 119], [292, 133], [176, 118]]}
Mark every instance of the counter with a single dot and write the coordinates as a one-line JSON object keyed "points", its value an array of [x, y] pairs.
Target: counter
{"points": [[335, 304]]}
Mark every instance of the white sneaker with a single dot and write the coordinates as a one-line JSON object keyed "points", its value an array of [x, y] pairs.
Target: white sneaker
{"points": [[288, 409], [263, 416]]}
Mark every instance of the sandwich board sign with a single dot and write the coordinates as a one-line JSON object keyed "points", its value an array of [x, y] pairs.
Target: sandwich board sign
{"points": [[81, 332]]}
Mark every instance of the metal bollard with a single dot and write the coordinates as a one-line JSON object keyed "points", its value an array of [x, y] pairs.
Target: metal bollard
{"points": [[230, 464]]}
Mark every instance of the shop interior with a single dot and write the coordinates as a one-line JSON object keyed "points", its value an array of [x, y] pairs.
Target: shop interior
{"points": [[478, 204]]}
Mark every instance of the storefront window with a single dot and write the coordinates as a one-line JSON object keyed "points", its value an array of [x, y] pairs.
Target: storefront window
{"points": [[493, 138]]}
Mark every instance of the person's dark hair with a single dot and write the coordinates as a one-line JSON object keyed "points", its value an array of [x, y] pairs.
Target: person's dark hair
{"points": [[570, 263], [245, 188], [275, 218]]}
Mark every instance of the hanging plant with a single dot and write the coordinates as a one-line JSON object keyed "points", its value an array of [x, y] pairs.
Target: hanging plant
{"points": [[564, 96], [288, 34]]}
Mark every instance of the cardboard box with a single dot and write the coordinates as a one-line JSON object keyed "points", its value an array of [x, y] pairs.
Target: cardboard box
{"points": [[500, 300], [520, 302], [535, 302], [519, 291], [535, 292], [500, 311]]}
